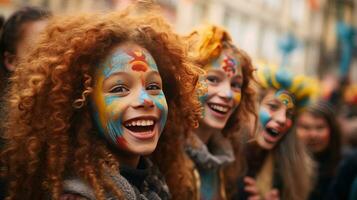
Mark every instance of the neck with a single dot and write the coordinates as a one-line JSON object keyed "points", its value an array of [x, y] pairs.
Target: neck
{"points": [[205, 132], [129, 160], [125, 158]]}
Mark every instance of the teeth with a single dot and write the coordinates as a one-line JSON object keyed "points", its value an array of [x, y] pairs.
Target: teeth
{"points": [[273, 132], [140, 123], [220, 108]]}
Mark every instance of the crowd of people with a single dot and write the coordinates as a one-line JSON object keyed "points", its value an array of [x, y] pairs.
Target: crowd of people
{"points": [[119, 106]]}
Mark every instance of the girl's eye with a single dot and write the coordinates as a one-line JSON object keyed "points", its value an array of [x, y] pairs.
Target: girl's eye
{"points": [[153, 86], [213, 79], [236, 85], [273, 106], [119, 89]]}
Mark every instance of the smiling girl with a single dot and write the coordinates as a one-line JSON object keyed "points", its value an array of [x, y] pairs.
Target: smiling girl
{"points": [[277, 165], [227, 101], [89, 104]]}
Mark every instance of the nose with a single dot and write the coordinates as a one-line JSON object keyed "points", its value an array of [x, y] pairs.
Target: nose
{"points": [[280, 116], [225, 91], [144, 100], [314, 133]]}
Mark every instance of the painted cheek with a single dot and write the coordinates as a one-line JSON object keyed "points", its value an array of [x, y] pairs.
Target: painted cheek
{"points": [[105, 114], [160, 102], [237, 97], [144, 98], [202, 93], [288, 125], [114, 127], [264, 117]]}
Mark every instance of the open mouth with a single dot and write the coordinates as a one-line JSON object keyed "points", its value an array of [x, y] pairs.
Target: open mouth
{"points": [[140, 125], [221, 109], [272, 132]]}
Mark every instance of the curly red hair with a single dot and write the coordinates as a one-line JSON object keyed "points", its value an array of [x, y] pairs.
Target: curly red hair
{"points": [[49, 132]]}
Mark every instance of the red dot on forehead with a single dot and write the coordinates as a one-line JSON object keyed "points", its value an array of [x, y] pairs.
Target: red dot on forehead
{"points": [[139, 61], [229, 65]]}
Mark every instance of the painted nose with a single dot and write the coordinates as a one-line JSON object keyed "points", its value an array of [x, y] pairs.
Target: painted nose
{"points": [[280, 116], [225, 91], [144, 100]]}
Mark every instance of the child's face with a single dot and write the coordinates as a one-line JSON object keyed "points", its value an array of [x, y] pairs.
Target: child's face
{"points": [[129, 106], [276, 116], [314, 131], [224, 79]]}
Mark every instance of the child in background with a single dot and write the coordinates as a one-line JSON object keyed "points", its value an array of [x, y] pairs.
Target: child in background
{"points": [[277, 164]]}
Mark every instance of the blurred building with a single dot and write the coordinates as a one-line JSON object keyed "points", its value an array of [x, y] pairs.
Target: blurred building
{"points": [[334, 12], [257, 26]]}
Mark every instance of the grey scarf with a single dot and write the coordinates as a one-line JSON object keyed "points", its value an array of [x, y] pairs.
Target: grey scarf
{"points": [[217, 153]]}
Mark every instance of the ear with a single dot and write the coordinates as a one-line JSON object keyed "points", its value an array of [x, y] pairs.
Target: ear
{"points": [[9, 61]]}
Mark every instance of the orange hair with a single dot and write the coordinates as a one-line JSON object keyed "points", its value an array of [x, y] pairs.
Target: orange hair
{"points": [[207, 44], [49, 132]]}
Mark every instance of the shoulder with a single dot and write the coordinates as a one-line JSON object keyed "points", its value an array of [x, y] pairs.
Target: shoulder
{"points": [[77, 189]]}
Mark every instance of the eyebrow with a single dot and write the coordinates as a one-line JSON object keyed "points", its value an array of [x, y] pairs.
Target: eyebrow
{"points": [[216, 71], [153, 74], [119, 73]]}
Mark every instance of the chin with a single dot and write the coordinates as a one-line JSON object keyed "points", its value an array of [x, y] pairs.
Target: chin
{"points": [[264, 144], [215, 124], [143, 150]]}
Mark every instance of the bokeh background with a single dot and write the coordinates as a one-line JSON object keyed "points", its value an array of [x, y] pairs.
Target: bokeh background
{"points": [[304, 35], [313, 37]]}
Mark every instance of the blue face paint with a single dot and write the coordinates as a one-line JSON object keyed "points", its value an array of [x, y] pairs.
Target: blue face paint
{"points": [[110, 106], [264, 117], [160, 102]]}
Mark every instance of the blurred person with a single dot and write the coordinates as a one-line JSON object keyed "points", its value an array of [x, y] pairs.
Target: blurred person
{"points": [[277, 165], [87, 108], [226, 103], [318, 128], [343, 186], [18, 34]]}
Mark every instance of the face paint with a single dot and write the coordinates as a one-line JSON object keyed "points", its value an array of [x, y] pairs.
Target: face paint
{"points": [[275, 117], [129, 106], [286, 98], [237, 97], [264, 116], [224, 80], [227, 63], [202, 90]]}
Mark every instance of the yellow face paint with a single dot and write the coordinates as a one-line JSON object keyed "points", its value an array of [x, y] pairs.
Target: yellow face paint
{"points": [[237, 97], [286, 98]]}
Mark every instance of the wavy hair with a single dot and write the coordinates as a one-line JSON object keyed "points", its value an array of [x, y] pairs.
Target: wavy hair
{"points": [[295, 166], [49, 131], [208, 43]]}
